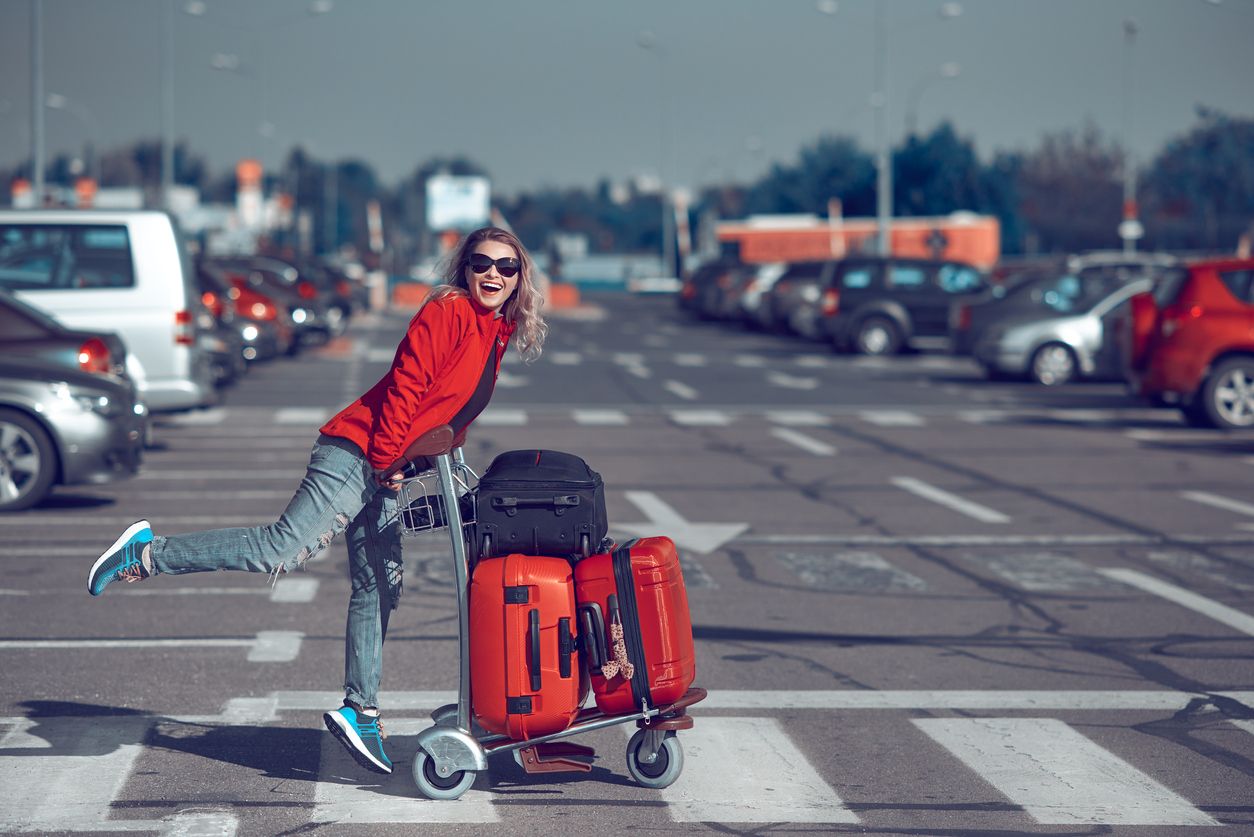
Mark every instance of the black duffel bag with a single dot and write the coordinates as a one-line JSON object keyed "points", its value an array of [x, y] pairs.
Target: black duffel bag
{"points": [[539, 502]]}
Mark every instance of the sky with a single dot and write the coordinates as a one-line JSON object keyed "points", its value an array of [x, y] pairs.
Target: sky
{"points": [[567, 92]]}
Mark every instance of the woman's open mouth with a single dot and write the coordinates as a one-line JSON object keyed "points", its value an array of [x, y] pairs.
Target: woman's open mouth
{"points": [[490, 287]]}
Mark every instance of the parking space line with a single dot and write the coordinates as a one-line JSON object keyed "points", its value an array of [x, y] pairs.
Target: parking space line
{"points": [[1229, 616], [690, 359], [1057, 775], [729, 764], [803, 441], [502, 418], [682, 390], [1225, 503], [301, 415], [938, 495], [600, 418], [892, 418], [798, 418], [700, 418]]}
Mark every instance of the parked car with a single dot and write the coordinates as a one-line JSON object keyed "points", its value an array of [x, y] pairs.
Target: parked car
{"points": [[1192, 343], [121, 271], [753, 302], [63, 426], [878, 306], [792, 300], [26, 331], [1066, 288], [309, 312], [720, 299], [693, 288], [264, 330], [1059, 344]]}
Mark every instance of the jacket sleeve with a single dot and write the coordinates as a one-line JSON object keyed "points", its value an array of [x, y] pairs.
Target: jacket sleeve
{"points": [[430, 342]]}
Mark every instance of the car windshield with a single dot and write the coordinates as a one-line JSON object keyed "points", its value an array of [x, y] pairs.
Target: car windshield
{"points": [[1070, 292]]}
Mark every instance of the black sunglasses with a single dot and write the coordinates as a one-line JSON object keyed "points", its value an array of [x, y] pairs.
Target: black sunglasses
{"points": [[480, 263]]}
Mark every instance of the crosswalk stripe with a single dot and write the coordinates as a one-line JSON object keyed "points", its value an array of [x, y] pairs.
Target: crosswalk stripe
{"points": [[681, 389], [690, 359], [1229, 616], [343, 796], [700, 418], [600, 417], [892, 418], [806, 443], [301, 415], [813, 361], [1057, 775], [749, 361], [748, 770], [1219, 502], [565, 358], [196, 418], [380, 355], [945, 498]]}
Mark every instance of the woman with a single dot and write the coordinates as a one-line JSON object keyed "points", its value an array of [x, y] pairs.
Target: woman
{"points": [[443, 373]]}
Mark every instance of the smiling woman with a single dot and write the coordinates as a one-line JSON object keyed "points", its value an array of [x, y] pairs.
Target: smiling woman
{"points": [[443, 373]]}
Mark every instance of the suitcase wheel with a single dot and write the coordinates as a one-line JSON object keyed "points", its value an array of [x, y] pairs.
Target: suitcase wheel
{"points": [[433, 785], [666, 763]]}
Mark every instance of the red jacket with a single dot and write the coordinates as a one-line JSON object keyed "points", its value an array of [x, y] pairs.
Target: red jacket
{"points": [[433, 375]]}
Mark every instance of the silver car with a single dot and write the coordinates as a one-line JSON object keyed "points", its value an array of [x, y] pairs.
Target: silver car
{"points": [[61, 426], [1054, 347]]}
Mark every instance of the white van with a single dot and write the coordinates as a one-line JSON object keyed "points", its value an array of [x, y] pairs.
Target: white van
{"points": [[121, 271]]}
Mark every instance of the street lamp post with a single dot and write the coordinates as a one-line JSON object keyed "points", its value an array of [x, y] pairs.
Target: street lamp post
{"points": [[37, 99], [948, 70], [56, 101], [648, 41], [1130, 228]]}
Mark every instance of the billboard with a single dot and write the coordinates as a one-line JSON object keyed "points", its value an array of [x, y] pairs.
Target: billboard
{"points": [[457, 203]]}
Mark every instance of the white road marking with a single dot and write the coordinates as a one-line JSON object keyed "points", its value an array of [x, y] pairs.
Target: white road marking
{"points": [[600, 418], [508, 380], [7, 592], [749, 361], [682, 390], [690, 359], [938, 495], [398, 702], [1175, 434], [301, 415], [196, 418], [982, 416], [700, 418], [237, 474], [1042, 571], [380, 355], [565, 358], [346, 794], [284, 591], [1231, 617], [994, 540], [1057, 775], [638, 371], [1215, 500], [780, 379], [892, 418], [267, 647], [813, 361], [798, 418], [699, 537], [202, 824], [748, 770], [850, 571], [502, 418], [222, 493], [73, 787], [803, 441], [1248, 726], [628, 358]]}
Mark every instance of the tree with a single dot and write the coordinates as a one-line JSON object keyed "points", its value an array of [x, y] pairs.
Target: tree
{"points": [[938, 174], [1071, 192], [833, 167], [1199, 190]]}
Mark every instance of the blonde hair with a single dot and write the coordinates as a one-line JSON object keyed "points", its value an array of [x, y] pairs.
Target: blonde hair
{"points": [[522, 309]]}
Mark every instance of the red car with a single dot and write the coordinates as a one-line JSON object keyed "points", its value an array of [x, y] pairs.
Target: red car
{"points": [[1192, 342]]}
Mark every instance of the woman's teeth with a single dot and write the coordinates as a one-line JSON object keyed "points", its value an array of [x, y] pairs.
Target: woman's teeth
{"points": [[490, 287]]}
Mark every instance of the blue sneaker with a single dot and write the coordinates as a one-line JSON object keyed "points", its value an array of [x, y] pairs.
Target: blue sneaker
{"points": [[122, 560], [361, 735]]}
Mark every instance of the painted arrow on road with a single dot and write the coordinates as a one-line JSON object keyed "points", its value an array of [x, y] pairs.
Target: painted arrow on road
{"points": [[703, 538]]}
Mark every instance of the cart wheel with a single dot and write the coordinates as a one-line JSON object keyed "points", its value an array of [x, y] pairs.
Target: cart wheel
{"points": [[585, 545], [435, 786], [664, 770]]}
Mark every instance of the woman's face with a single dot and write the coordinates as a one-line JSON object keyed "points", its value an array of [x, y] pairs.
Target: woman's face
{"points": [[491, 288]]}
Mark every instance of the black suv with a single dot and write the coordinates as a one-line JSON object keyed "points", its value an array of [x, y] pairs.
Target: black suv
{"points": [[877, 306]]}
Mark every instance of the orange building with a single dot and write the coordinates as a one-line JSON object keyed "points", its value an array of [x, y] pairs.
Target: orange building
{"points": [[963, 236]]}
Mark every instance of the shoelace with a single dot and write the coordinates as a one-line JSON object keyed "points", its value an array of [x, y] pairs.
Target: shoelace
{"points": [[379, 723], [135, 572]]}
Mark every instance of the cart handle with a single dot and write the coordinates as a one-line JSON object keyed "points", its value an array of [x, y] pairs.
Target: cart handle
{"points": [[435, 442]]}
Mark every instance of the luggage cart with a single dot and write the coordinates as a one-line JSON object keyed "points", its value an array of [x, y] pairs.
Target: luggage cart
{"points": [[453, 751]]}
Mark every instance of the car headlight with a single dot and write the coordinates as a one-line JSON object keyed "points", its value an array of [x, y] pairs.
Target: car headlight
{"points": [[300, 315], [249, 332]]}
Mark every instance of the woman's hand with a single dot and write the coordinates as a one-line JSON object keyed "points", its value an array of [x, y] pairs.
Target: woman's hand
{"points": [[392, 482]]}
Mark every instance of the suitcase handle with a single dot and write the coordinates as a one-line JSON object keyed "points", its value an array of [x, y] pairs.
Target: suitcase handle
{"points": [[565, 647], [533, 658], [558, 502], [592, 635]]}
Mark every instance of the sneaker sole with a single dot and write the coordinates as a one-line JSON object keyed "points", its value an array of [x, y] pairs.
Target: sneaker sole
{"points": [[133, 530], [348, 736]]}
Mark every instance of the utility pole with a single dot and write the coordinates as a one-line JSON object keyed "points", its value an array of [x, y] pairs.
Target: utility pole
{"points": [[37, 99]]}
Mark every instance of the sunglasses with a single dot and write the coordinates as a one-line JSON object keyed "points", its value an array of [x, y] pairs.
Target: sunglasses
{"points": [[480, 263]]}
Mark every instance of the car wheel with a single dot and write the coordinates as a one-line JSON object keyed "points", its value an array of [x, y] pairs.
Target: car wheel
{"points": [[1053, 365], [1228, 394], [28, 461], [877, 336]]}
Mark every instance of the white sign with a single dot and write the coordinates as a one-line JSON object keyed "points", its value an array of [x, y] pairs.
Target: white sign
{"points": [[457, 203]]}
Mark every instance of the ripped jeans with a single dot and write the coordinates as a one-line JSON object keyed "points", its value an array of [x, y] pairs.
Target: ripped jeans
{"points": [[338, 494]]}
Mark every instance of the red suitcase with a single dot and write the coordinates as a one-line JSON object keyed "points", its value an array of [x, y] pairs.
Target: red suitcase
{"points": [[525, 672], [640, 585]]}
